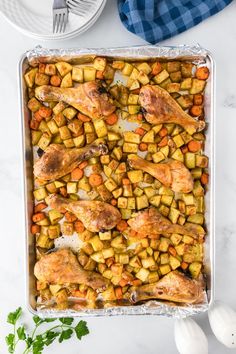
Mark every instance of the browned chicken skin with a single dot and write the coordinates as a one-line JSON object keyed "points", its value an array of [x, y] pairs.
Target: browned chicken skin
{"points": [[62, 267], [160, 108], [174, 286], [151, 222], [95, 215], [58, 161], [89, 98], [172, 174]]}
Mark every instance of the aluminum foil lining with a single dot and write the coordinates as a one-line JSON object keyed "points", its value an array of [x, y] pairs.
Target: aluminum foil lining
{"points": [[77, 56]]}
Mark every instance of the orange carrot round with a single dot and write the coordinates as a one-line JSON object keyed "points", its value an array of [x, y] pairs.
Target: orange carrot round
{"points": [[125, 181], [184, 149], [194, 145], [119, 294], [95, 180], [202, 73], [35, 229], [111, 119], [63, 191], [113, 202], [83, 164], [122, 225], [70, 217], [143, 147], [55, 80], [40, 207], [38, 116], [198, 99], [163, 132], [83, 118], [77, 174], [79, 226], [184, 265], [163, 142], [38, 217], [45, 112], [204, 178], [156, 68], [140, 131], [195, 111]]}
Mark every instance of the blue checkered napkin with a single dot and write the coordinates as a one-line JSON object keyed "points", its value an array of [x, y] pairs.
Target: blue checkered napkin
{"points": [[156, 20]]}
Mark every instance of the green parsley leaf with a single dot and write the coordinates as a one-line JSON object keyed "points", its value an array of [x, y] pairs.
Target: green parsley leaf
{"points": [[37, 320], [50, 337], [47, 320], [14, 316], [21, 333], [38, 345], [66, 320], [81, 329], [10, 342], [66, 334]]}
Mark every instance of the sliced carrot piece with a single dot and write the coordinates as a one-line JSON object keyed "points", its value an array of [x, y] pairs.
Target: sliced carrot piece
{"points": [[38, 217], [100, 74], [198, 99], [172, 251], [40, 207], [194, 145], [38, 116], [63, 191], [204, 178], [111, 119], [143, 147], [163, 132], [119, 294], [140, 131], [132, 233], [195, 111], [77, 174], [184, 149], [55, 80], [34, 124], [45, 112], [123, 282], [35, 229], [95, 180], [156, 69], [163, 142], [70, 217], [83, 164], [202, 73], [122, 225], [79, 226], [125, 181], [136, 282], [110, 261], [136, 91], [83, 117], [184, 265], [114, 202]]}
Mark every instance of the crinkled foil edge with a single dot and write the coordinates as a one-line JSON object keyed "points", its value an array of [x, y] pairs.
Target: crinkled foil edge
{"points": [[74, 55]]}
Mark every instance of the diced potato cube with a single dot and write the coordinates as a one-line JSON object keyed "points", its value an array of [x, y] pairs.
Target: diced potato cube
{"points": [[185, 101], [72, 187], [118, 64], [63, 68], [110, 184], [186, 69], [188, 199], [145, 68], [84, 185], [133, 99], [67, 228], [173, 87], [99, 63], [186, 84], [201, 161], [41, 79], [196, 219], [149, 191], [148, 262], [186, 137], [165, 269], [135, 176], [178, 140], [50, 69], [35, 136], [158, 156], [127, 70], [117, 152], [40, 194], [197, 86], [133, 109], [79, 141], [77, 74], [176, 76], [69, 112], [122, 203], [143, 78], [100, 128], [173, 66], [105, 235], [64, 132], [148, 137], [178, 155], [142, 202], [105, 194], [123, 258], [155, 200], [142, 274], [96, 243], [166, 199], [163, 75], [54, 216], [135, 85], [176, 239], [174, 262], [44, 141], [89, 73], [112, 136], [90, 137], [138, 192], [34, 104], [164, 244], [195, 269], [174, 215], [164, 258], [105, 159], [131, 203], [190, 160], [30, 77], [131, 137], [67, 81], [52, 126], [130, 148], [108, 252], [98, 257]]}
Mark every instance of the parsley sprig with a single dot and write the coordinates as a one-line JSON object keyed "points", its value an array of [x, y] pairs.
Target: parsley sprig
{"points": [[36, 342]]}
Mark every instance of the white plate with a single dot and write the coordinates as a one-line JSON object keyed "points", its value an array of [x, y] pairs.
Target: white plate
{"points": [[34, 18]]}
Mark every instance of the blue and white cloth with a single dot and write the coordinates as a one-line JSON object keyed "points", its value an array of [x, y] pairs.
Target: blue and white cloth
{"points": [[156, 20]]}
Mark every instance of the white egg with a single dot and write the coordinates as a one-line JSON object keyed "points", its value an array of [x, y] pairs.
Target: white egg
{"points": [[189, 337]]}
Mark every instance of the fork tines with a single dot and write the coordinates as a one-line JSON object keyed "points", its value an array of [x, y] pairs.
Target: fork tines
{"points": [[60, 16]]}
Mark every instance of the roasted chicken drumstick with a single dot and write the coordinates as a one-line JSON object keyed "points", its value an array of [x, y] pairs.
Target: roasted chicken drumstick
{"points": [[151, 222], [62, 267], [159, 107], [174, 286], [172, 174], [95, 215], [58, 161], [89, 98]]}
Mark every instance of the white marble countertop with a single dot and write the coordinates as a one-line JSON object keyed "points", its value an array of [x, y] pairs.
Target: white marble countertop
{"points": [[132, 335]]}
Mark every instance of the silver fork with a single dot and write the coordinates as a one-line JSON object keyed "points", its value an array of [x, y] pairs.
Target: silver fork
{"points": [[80, 7], [60, 16]]}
